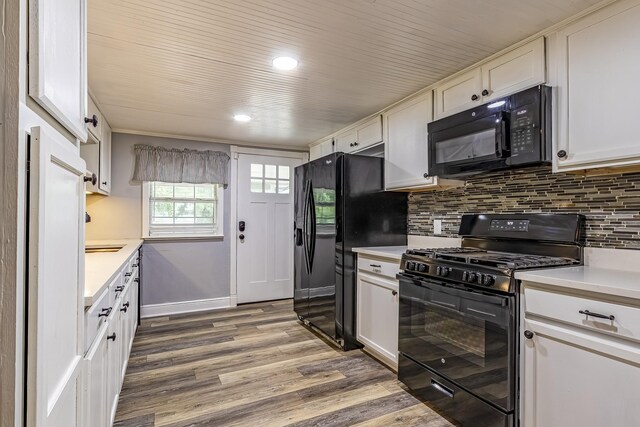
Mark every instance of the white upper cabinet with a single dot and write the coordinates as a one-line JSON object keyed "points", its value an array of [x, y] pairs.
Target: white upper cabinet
{"points": [[595, 63], [57, 60], [369, 133], [516, 70], [459, 94], [346, 141], [95, 125], [105, 159], [322, 149]]}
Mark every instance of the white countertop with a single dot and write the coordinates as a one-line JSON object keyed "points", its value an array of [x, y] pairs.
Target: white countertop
{"points": [[100, 268], [588, 278], [391, 252]]}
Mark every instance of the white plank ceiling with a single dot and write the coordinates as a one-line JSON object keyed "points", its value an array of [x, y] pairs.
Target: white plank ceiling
{"points": [[185, 67]]}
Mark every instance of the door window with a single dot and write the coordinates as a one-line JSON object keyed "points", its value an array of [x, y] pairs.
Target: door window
{"points": [[270, 179]]}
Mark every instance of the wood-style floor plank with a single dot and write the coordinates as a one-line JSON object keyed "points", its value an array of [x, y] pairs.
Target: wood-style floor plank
{"points": [[256, 365]]}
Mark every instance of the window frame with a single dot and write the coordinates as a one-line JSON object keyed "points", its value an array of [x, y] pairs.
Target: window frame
{"points": [[219, 216]]}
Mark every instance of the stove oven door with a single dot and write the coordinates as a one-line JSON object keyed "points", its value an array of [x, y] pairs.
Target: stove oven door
{"points": [[463, 335]]}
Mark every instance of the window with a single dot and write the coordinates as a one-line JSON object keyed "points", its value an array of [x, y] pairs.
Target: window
{"points": [[270, 179], [182, 210]]}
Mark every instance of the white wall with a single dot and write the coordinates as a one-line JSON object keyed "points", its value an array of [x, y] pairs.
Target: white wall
{"points": [[175, 271]]}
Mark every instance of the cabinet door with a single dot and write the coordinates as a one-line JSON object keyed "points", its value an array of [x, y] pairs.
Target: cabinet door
{"points": [[95, 128], [315, 152], [104, 182], [459, 94], [133, 310], [95, 382], [56, 280], [114, 354], [125, 330], [57, 60], [369, 133], [326, 147], [406, 154], [346, 141], [597, 61], [377, 308], [575, 378], [519, 69]]}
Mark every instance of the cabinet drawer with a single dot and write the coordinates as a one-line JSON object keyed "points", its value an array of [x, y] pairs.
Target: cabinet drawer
{"points": [[93, 320], [385, 268], [567, 308]]}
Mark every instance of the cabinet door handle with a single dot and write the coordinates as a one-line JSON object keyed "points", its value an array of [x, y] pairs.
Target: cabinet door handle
{"points": [[93, 179], [426, 175], [528, 334], [394, 293], [375, 265], [93, 120], [598, 315], [104, 182], [485, 92], [562, 154], [119, 288], [105, 312], [112, 337], [127, 274], [123, 309], [137, 280], [474, 97]]}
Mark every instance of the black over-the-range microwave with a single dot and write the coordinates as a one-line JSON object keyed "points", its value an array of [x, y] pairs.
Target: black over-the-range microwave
{"points": [[509, 132]]}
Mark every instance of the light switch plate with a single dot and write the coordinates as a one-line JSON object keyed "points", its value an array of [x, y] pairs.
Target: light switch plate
{"points": [[437, 226]]}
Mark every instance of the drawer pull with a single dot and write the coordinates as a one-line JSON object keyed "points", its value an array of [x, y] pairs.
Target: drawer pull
{"points": [[375, 265], [112, 337], [442, 389], [394, 293], [119, 288], [105, 312], [599, 316], [127, 274]]}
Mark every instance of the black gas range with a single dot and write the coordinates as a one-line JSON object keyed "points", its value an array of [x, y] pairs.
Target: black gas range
{"points": [[459, 311]]}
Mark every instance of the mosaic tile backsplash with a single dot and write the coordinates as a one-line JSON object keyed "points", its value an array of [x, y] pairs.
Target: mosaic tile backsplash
{"points": [[611, 203]]}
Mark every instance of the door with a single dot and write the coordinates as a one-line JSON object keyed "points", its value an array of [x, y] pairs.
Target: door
{"points": [[597, 64], [377, 313], [56, 280], [519, 69], [323, 242], [406, 154], [265, 226], [58, 60], [459, 94], [577, 378], [463, 335], [95, 384]]}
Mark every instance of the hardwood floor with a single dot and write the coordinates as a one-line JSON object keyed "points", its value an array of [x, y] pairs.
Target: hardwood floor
{"points": [[256, 365]]}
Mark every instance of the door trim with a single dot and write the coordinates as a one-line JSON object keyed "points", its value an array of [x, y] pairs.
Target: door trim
{"points": [[233, 180]]}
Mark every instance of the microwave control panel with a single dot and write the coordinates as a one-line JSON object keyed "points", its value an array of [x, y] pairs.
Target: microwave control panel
{"points": [[524, 130]]}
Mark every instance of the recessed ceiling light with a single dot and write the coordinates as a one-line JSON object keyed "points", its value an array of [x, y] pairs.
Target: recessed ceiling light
{"points": [[285, 63], [241, 118]]}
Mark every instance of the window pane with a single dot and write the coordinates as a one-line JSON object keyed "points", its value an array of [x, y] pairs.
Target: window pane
{"points": [[270, 171], [256, 170], [159, 221], [204, 192], [204, 210], [183, 191], [184, 209], [283, 187], [163, 209], [256, 186], [204, 220], [269, 185], [283, 172], [185, 220], [162, 190]]}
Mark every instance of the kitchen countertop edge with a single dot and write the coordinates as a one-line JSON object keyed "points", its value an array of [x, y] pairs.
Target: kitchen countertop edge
{"points": [[390, 252], [109, 265], [590, 279]]}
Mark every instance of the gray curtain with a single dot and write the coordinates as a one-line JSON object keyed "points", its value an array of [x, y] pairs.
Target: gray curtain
{"points": [[173, 165]]}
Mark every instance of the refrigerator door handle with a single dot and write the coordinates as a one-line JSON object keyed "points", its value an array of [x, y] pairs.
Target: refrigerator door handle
{"points": [[312, 210], [305, 227]]}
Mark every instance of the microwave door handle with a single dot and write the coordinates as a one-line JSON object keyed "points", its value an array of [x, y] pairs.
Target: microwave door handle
{"points": [[504, 138]]}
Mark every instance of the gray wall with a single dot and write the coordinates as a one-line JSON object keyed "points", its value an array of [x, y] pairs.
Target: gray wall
{"points": [[173, 271]]}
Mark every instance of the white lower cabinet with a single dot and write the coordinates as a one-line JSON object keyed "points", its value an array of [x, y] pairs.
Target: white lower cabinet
{"points": [[578, 373], [377, 309], [105, 363]]}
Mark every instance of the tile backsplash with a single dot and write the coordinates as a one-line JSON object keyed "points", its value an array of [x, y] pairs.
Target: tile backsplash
{"points": [[611, 203]]}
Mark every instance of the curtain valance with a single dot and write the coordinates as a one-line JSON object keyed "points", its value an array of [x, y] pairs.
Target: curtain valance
{"points": [[174, 165]]}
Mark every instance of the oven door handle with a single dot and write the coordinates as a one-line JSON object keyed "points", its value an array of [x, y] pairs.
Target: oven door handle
{"points": [[442, 389], [479, 296]]}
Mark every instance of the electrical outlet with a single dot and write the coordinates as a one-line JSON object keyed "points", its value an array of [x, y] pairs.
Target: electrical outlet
{"points": [[437, 226]]}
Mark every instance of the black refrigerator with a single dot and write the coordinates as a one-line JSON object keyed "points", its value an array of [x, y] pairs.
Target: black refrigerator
{"points": [[340, 204]]}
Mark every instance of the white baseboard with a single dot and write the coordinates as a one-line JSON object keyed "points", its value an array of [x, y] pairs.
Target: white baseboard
{"points": [[155, 310]]}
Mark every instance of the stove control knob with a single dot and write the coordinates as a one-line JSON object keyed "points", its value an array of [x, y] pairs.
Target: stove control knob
{"points": [[488, 280], [444, 272], [411, 265], [465, 276], [472, 277], [480, 278], [439, 271], [422, 268]]}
